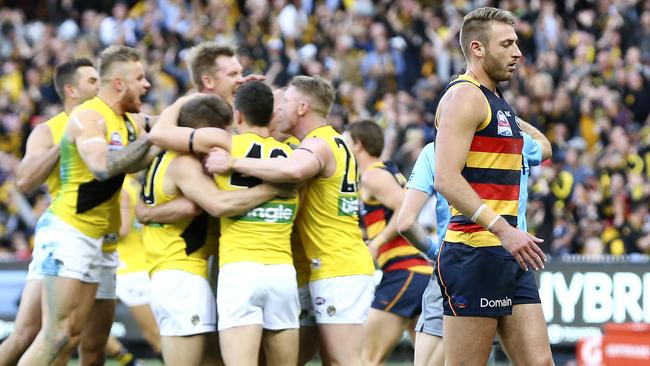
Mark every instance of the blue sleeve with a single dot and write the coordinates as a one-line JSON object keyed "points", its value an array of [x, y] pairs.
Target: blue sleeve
{"points": [[422, 175], [532, 150]]}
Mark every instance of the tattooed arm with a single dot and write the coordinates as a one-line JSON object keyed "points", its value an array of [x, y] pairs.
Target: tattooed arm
{"points": [[87, 129]]}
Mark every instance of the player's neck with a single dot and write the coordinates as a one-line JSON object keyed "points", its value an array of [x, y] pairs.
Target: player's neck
{"points": [[477, 73], [70, 104], [308, 124], [365, 160], [258, 130], [112, 100]]}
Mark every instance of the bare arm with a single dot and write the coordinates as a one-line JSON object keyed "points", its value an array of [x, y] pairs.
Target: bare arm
{"points": [[87, 128], [40, 157], [168, 213], [187, 173], [407, 218], [538, 136], [455, 133], [168, 135], [382, 186], [125, 213], [307, 161]]}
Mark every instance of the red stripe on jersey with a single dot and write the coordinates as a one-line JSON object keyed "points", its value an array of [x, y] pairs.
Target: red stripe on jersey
{"points": [[406, 264], [376, 215], [397, 242], [496, 191], [497, 145], [466, 228]]}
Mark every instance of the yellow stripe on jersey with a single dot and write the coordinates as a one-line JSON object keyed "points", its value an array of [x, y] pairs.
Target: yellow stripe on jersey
{"points": [[493, 160], [57, 125], [499, 206], [165, 245], [90, 206], [396, 252], [130, 248], [263, 234], [477, 239], [328, 221], [374, 229], [427, 270]]}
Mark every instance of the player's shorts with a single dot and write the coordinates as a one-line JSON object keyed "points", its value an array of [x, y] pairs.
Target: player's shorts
{"points": [[342, 300], [400, 292], [107, 279], [66, 252], [134, 288], [182, 303], [430, 321], [307, 313], [482, 281], [254, 293]]}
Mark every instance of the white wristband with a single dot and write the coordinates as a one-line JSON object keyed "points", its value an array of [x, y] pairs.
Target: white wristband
{"points": [[493, 222], [478, 212]]}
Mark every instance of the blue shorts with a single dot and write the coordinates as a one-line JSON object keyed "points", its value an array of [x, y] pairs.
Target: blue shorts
{"points": [[482, 281], [400, 292]]}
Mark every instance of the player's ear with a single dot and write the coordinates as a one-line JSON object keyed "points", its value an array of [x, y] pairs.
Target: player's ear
{"points": [[208, 82]]}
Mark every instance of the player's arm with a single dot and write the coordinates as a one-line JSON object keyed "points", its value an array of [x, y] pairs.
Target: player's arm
{"points": [[382, 186], [187, 173], [168, 135], [307, 161], [88, 129], [168, 213], [455, 133], [539, 138], [125, 213], [40, 157]]}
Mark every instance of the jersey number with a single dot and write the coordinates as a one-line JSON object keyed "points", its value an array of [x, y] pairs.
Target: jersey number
{"points": [[346, 186], [255, 151]]}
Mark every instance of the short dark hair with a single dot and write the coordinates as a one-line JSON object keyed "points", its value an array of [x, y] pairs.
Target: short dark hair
{"points": [[66, 73], [206, 110], [113, 55], [254, 100], [370, 135], [476, 26], [202, 60]]}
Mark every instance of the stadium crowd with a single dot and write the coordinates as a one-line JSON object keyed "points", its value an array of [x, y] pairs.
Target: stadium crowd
{"points": [[585, 83]]}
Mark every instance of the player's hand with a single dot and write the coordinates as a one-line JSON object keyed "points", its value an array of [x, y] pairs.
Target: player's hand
{"points": [[142, 212], [374, 249], [523, 246], [219, 161], [250, 77]]}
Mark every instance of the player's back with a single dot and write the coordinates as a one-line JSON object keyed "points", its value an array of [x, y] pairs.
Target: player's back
{"points": [[329, 221], [84, 202], [184, 245], [262, 234], [397, 254]]}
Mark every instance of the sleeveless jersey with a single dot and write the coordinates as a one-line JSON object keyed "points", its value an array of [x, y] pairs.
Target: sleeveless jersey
{"points": [[184, 245], [262, 234], [398, 253], [493, 169], [329, 216], [89, 205], [129, 248], [57, 125]]}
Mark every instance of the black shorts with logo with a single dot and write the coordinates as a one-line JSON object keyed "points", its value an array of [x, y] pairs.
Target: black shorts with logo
{"points": [[482, 281]]}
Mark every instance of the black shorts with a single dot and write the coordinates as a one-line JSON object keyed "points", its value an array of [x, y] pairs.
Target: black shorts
{"points": [[400, 292], [482, 281]]}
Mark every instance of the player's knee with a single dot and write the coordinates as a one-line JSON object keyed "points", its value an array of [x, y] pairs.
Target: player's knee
{"points": [[543, 359], [24, 337]]}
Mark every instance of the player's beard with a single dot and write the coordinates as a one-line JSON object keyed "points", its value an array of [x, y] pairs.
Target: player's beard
{"points": [[494, 69], [131, 101]]}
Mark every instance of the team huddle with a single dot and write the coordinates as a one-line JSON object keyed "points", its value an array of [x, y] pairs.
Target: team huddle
{"points": [[244, 229]]}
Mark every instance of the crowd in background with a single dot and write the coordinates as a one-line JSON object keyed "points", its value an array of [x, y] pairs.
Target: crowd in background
{"points": [[584, 81]]}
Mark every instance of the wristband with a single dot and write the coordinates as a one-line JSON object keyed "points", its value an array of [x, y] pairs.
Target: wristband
{"points": [[478, 212], [494, 221]]}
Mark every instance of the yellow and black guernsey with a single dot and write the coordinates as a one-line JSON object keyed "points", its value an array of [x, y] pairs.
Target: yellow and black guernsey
{"points": [[397, 254], [493, 169], [328, 221], [262, 234], [184, 245], [57, 125], [130, 249], [89, 205]]}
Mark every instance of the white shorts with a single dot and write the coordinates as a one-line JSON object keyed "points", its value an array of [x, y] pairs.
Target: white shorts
{"points": [[134, 289], [65, 251], [182, 303], [342, 300], [307, 313], [254, 293]]}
